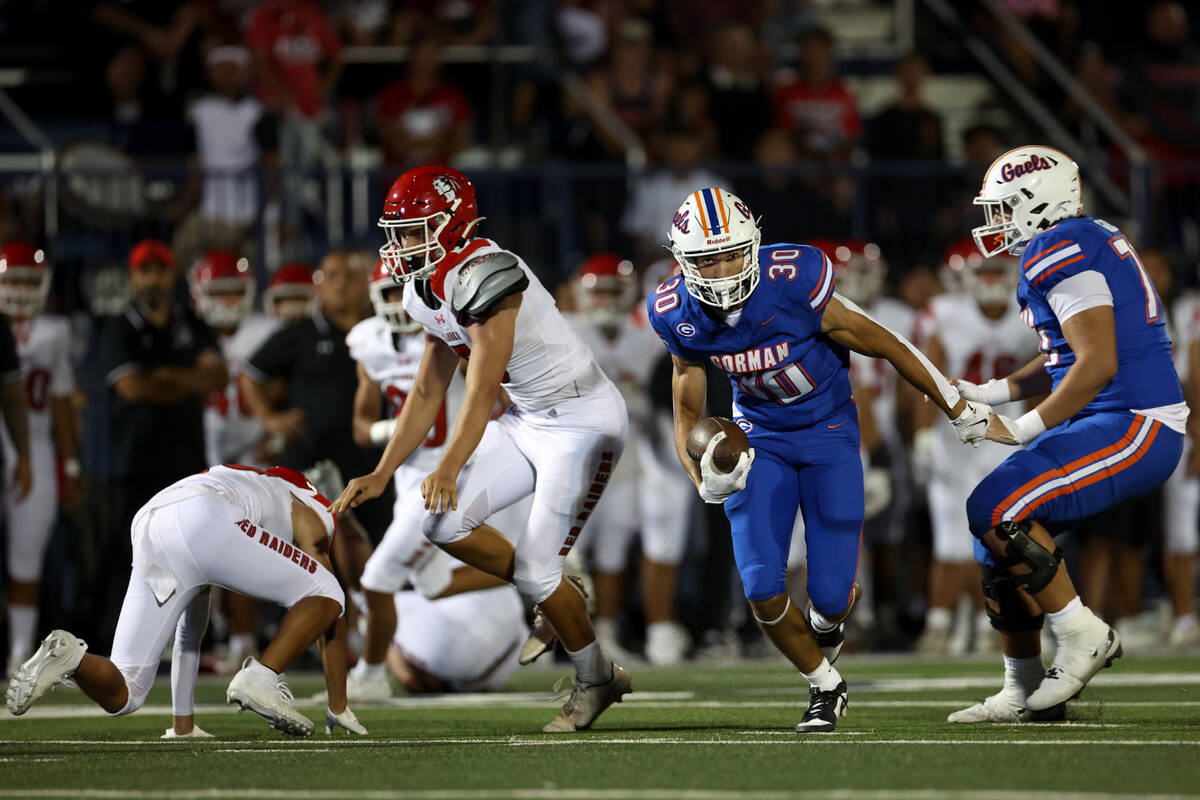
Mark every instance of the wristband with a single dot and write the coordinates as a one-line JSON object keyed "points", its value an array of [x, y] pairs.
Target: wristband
{"points": [[71, 468], [1027, 427], [381, 431]]}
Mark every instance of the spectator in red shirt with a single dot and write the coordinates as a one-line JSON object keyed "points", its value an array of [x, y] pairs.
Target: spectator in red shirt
{"points": [[422, 118], [298, 61], [290, 39], [818, 107]]}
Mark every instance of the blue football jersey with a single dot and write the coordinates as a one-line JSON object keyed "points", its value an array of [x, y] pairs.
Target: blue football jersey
{"points": [[785, 374], [1146, 376]]}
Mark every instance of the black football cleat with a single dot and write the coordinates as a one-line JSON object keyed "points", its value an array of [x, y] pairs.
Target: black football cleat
{"points": [[824, 708]]}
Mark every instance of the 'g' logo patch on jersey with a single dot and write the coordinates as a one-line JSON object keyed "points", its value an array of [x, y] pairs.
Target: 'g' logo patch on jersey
{"points": [[686, 329]]}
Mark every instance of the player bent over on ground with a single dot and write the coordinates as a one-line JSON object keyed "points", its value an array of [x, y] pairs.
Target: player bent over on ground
{"points": [[560, 441], [1110, 430], [265, 534], [786, 349]]}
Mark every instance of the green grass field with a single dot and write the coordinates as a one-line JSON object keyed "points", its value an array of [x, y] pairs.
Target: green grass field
{"points": [[699, 732]]}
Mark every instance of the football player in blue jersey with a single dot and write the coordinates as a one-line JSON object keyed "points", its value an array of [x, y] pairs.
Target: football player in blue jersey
{"points": [[769, 316], [1110, 429]]}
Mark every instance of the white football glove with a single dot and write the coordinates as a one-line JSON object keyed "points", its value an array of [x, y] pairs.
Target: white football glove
{"points": [[716, 487], [971, 425], [992, 393], [346, 720]]}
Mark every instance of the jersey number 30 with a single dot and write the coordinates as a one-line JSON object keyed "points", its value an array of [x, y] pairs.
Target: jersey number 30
{"points": [[784, 385]]}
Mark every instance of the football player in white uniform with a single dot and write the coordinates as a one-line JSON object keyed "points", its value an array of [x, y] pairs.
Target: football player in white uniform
{"points": [[639, 498], [1181, 492], [975, 332], [291, 294], [222, 288], [560, 441], [48, 377], [388, 348], [261, 533]]}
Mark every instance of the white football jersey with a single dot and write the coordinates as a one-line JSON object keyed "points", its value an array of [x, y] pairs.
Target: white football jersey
{"points": [[44, 349], [877, 375], [231, 431], [392, 362], [547, 355], [1183, 326], [265, 497], [977, 349]]}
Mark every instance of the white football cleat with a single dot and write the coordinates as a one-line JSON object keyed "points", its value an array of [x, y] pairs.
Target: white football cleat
{"points": [[256, 688], [196, 733], [588, 701], [346, 720], [54, 662], [1081, 654], [1006, 705], [361, 689]]}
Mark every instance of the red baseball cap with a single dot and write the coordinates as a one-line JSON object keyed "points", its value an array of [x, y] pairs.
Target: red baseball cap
{"points": [[151, 250]]}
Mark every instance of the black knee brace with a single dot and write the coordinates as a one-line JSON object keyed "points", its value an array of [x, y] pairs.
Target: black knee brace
{"points": [[1010, 615], [1024, 550]]}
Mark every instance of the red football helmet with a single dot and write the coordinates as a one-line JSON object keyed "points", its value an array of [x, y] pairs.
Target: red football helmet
{"points": [[291, 293], [24, 280], [858, 268], [222, 287], [606, 289], [989, 281], [392, 312], [437, 205]]}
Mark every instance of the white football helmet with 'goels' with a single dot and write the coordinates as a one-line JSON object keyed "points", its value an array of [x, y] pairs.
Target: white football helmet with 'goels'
{"points": [[711, 222], [1024, 192]]}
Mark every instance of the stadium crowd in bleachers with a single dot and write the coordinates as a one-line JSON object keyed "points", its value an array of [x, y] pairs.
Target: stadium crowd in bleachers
{"points": [[272, 129]]}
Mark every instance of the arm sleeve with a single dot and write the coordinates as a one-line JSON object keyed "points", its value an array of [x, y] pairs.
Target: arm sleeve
{"points": [[62, 381], [10, 364], [1078, 293]]}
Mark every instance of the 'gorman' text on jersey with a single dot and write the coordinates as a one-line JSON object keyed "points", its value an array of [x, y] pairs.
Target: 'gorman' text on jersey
{"points": [[1146, 375], [785, 374]]}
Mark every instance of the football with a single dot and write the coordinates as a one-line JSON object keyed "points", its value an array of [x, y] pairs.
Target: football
{"points": [[727, 452]]}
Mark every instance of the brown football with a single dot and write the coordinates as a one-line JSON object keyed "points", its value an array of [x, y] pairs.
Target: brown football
{"points": [[727, 452]]}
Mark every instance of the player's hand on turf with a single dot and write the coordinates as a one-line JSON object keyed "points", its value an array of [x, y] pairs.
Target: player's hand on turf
{"points": [[992, 393], [971, 424], [999, 430], [22, 477], [716, 487], [359, 491], [440, 490]]}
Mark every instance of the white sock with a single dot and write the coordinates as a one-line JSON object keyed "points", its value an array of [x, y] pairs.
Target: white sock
{"points": [[22, 622], [1062, 621], [242, 644], [1023, 674], [606, 628], [1186, 622], [591, 665], [824, 678], [370, 672], [938, 619], [819, 621]]}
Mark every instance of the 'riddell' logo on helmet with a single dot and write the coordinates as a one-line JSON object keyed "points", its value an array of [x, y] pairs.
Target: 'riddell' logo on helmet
{"points": [[1035, 162], [446, 186], [718, 240]]}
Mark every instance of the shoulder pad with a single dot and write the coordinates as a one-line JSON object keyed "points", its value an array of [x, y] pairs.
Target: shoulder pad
{"points": [[485, 281]]}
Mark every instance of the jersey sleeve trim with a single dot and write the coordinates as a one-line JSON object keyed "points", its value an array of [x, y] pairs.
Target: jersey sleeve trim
{"points": [[824, 291], [118, 372], [1051, 260], [1078, 293]]}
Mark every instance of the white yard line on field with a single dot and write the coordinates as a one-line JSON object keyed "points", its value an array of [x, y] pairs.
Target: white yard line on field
{"points": [[306, 745], [551, 793]]}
